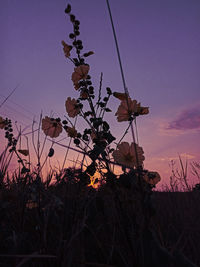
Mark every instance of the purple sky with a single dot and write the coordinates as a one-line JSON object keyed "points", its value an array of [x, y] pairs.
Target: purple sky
{"points": [[159, 43]]}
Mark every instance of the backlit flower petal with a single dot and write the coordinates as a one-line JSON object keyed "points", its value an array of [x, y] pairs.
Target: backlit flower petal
{"points": [[66, 48], [126, 109], [80, 73], [76, 77], [72, 107], [124, 148], [82, 70], [125, 154], [2, 123], [51, 127]]}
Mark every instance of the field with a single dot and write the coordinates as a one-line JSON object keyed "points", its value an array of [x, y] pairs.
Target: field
{"points": [[71, 224]]}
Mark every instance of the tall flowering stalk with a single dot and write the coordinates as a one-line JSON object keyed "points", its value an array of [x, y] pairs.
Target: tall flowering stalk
{"points": [[96, 140]]}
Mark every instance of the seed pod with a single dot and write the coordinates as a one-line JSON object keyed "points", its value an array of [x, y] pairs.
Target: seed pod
{"points": [[76, 33], [72, 18], [71, 35], [109, 92], [79, 42], [76, 28], [77, 22], [76, 141], [51, 152], [68, 9]]}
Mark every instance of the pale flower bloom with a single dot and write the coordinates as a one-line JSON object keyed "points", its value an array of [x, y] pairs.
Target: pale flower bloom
{"points": [[152, 178], [2, 123], [79, 73], [127, 108], [126, 155], [72, 132], [72, 107], [51, 127], [66, 48]]}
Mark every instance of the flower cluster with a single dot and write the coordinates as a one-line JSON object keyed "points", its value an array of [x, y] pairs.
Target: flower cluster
{"points": [[6, 124]]}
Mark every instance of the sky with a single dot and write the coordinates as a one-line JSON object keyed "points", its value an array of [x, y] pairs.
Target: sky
{"points": [[159, 43]]}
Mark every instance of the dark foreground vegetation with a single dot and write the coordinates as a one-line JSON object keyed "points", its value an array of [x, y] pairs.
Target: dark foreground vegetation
{"points": [[71, 224]]}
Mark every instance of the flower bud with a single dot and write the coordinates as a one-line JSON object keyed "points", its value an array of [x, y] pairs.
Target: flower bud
{"points": [[72, 18], [68, 9]]}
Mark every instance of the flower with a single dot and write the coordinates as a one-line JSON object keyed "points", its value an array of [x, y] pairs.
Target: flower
{"points": [[152, 178], [24, 152], [72, 132], [127, 108], [79, 73], [66, 48], [2, 123], [125, 155], [120, 96], [51, 127], [72, 107]]}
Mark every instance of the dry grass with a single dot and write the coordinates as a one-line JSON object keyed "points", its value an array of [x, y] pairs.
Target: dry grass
{"points": [[70, 224]]}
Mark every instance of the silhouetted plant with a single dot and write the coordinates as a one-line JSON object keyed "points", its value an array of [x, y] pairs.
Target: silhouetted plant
{"points": [[68, 222]]}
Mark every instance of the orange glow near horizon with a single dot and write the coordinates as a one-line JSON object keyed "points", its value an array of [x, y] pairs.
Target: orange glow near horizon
{"points": [[160, 163]]}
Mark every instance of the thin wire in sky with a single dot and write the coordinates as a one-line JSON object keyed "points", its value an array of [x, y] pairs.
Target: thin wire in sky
{"points": [[122, 74], [16, 104], [9, 96]]}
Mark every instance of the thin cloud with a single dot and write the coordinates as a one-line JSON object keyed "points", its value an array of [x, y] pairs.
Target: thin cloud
{"points": [[186, 156], [187, 120]]}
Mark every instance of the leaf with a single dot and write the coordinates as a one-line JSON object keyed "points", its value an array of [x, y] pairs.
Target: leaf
{"points": [[24, 152], [108, 110]]}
